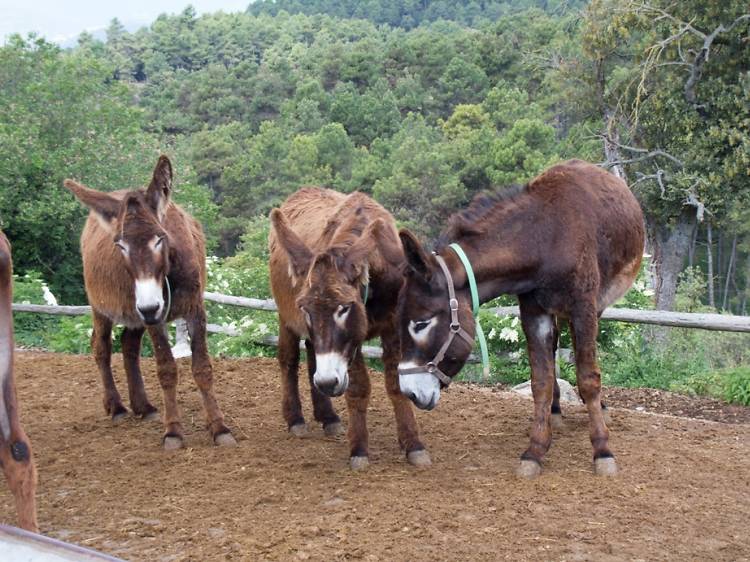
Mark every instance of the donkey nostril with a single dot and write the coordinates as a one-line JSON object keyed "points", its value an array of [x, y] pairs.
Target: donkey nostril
{"points": [[411, 396], [148, 311], [327, 387]]}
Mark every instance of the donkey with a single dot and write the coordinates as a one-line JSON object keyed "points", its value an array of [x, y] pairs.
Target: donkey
{"points": [[143, 266], [15, 450], [568, 244], [335, 274]]}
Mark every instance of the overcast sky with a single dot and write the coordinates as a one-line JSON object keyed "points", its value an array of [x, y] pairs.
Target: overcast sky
{"points": [[61, 20]]}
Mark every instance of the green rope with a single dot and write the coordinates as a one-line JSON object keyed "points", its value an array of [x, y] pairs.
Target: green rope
{"points": [[475, 307]]}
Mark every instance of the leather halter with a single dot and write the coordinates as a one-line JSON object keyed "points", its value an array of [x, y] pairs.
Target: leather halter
{"points": [[432, 367]]}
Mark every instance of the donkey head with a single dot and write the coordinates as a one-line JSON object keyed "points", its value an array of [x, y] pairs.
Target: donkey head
{"points": [[135, 223], [424, 319], [331, 298]]}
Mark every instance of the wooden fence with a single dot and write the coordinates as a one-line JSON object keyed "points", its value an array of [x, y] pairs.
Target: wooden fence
{"points": [[702, 321]]}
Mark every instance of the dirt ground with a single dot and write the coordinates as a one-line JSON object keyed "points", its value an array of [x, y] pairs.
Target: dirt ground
{"points": [[683, 491]]}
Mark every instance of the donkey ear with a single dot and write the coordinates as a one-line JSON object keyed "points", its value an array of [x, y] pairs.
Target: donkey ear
{"points": [[160, 188], [356, 258], [103, 205], [417, 259], [300, 256]]}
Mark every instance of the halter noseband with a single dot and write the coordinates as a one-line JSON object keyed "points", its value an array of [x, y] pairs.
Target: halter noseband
{"points": [[432, 367]]}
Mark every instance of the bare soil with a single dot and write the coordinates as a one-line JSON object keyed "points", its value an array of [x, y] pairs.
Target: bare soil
{"points": [[683, 491]]}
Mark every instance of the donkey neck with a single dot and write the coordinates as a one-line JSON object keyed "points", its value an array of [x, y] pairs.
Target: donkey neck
{"points": [[498, 270]]}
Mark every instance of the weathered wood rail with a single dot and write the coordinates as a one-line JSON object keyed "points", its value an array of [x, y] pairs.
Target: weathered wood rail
{"points": [[701, 321]]}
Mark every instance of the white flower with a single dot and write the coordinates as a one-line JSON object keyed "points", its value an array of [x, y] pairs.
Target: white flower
{"points": [[509, 334], [514, 322], [514, 355], [491, 335]]}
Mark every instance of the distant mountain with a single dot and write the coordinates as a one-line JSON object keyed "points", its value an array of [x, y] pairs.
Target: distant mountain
{"points": [[99, 33]]}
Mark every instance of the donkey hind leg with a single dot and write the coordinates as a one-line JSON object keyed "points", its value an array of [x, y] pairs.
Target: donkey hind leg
{"points": [[556, 419], [166, 369], [585, 325], [357, 399], [287, 355], [20, 472], [101, 344], [406, 422], [204, 378], [131, 355], [322, 406], [539, 328]]}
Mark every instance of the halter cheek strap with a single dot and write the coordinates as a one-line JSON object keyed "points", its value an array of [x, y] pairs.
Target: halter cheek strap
{"points": [[168, 308], [455, 330]]}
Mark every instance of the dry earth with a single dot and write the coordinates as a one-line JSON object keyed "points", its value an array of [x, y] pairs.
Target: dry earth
{"points": [[683, 491]]}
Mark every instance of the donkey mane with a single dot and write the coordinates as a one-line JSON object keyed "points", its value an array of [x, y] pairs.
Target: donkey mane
{"points": [[482, 205]]}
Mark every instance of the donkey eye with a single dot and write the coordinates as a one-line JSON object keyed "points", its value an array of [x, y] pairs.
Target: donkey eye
{"points": [[158, 242], [343, 310], [421, 325], [123, 248]]}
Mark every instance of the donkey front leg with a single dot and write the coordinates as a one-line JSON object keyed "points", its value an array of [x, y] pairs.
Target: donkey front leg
{"points": [[288, 358], [585, 325], [166, 369], [131, 358], [357, 399], [20, 472], [204, 378], [539, 328], [322, 405], [101, 344], [406, 423]]}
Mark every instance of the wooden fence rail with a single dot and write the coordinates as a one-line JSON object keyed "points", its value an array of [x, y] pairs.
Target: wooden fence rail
{"points": [[702, 321]]}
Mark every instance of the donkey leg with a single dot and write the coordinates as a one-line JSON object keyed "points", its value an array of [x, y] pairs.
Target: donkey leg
{"points": [[101, 344], [288, 357], [585, 325], [322, 405], [539, 328], [166, 369], [131, 355], [357, 399], [406, 422], [556, 420], [20, 472], [204, 378]]}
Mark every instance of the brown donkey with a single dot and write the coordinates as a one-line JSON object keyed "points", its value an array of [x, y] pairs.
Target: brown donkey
{"points": [[15, 450], [144, 265], [335, 274], [568, 244]]}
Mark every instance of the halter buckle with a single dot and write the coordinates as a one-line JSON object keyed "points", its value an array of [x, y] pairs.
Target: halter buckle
{"points": [[453, 303], [431, 367], [455, 327]]}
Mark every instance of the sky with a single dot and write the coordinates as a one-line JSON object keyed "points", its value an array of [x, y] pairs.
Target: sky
{"points": [[63, 20]]}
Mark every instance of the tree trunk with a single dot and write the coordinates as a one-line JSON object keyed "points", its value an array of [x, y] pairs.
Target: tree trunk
{"points": [[691, 253], [730, 267], [710, 265], [671, 244]]}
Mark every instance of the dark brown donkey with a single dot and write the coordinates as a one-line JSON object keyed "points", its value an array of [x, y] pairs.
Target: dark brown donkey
{"points": [[144, 264], [15, 451], [568, 244], [335, 274]]}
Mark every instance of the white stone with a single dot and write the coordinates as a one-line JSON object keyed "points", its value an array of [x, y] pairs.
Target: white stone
{"points": [[567, 392]]}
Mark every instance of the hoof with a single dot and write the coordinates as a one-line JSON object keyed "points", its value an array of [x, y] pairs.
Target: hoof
{"points": [[556, 421], [119, 417], [299, 430], [225, 439], [605, 466], [528, 469], [419, 458], [172, 443], [333, 429], [359, 463], [152, 416]]}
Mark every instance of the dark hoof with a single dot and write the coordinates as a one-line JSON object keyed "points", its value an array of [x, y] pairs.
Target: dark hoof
{"points": [[299, 430], [225, 440], [119, 417], [419, 458], [333, 429], [173, 442], [359, 463], [605, 466], [151, 416], [528, 469]]}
